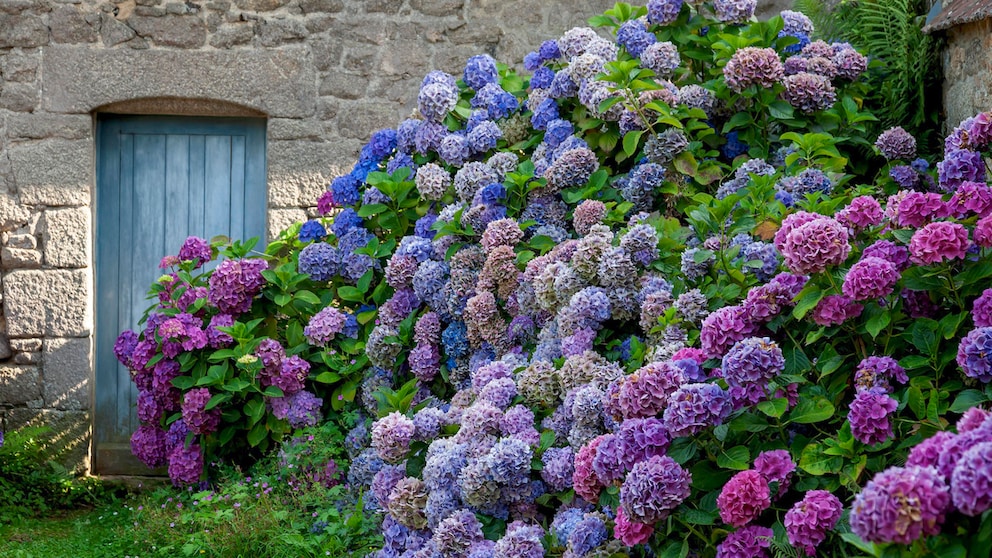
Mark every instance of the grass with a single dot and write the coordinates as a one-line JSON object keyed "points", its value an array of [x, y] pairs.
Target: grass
{"points": [[82, 533]]}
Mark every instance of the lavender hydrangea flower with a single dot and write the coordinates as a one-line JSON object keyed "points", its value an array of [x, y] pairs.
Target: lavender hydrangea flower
{"points": [[391, 436], [324, 325], [734, 11], [653, 489], [809, 92], [752, 65], [971, 490], [663, 12], [809, 520], [814, 245], [320, 261], [896, 143], [694, 407], [870, 278], [749, 366], [776, 466], [900, 504], [975, 354]]}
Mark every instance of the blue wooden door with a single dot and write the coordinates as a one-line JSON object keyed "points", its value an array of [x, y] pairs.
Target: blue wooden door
{"points": [[159, 180]]}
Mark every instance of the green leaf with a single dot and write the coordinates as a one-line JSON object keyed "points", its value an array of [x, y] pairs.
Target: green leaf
{"points": [[967, 399], [327, 377], [811, 409], [815, 462], [351, 294], [258, 433], [371, 209], [774, 408], [307, 296], [877, 323], [183, 382], [780, 110], [693, 516], [273, 391], [217, 400], [255, 409], [737, 458], [631, 140]]}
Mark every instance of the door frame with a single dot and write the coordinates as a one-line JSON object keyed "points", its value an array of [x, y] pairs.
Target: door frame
{"points": [[113, 456]]}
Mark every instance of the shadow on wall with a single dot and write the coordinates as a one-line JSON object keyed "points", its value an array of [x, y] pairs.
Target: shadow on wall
{"points": [[68, 441]]}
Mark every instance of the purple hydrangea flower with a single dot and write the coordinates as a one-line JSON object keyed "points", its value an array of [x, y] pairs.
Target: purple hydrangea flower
{"points": [[653, 489], [896, 143], [663, 12], [752, 65], [809, 520], [235, 283], [749, 366], [324, 325], [695, 407], [901, 504], [752, 541], [196, 417], [745, 496], [185, 465], [870, 278], [975, 354], [195, 249], [937, 242], [391, 436], [971, 490], [869, 416], [148, 444]]}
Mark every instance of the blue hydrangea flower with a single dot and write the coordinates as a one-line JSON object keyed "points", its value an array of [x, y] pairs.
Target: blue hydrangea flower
{"points": [[320, 261], [382, 143], [734, 147], [346, 221], [454, 339], [480, 71], [345, 190], [549, 51], [312, 230], [634, 36], [542, 78]]}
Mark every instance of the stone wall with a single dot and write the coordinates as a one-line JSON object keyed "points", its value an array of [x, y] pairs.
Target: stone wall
{"points": [[325, 74], [967, 71]]}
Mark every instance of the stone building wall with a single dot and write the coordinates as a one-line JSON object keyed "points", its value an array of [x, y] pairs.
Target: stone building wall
{"points": [[325, 74], [967, 71]]}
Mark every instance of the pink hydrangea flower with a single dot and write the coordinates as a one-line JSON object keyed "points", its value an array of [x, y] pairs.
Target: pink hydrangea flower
{"points": [[743, 498], [937, 242]]}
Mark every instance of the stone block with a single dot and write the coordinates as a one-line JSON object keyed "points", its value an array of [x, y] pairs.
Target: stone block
{"points": [[326, 53], [21, 240], [367, 116], [23, 30], [20, 66], [113, 32], [438, 8], [19, 97], [47, 303], [278, 82], [19, 258], [284, 193], [17, 6], [26, 345], [53, 172], [294, 129], [383, 6], [322, 6], [12, 214], [276, 32], [344, 86], [260, 5], [41, 126], [281, 219], [66, 237], [408, 59], [27, 358], [232, 35], [68, 441], [5, 350], [171, 30], [67, 371], [19, 385], [69, 25]]}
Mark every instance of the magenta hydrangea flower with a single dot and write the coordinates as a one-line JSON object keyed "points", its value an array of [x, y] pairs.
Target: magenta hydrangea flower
{"points": [[653, 489], [861, 213], [971, 481], [195, 249], [776, 466], [197, 418], [975, 354], [983, 232], [629, 532], [901, 504], [724, 327], [981, 309], [927, 453], [937, 242], [809, 520], [888, 250], [391, 436], [752, 65], [743, 498], [918, 208], [835, 310], [971, 198], [973, 418], [869, 416], [584, 479], [878, 372], [870, 278], [814, 246], [752, 541], [896, 143]]}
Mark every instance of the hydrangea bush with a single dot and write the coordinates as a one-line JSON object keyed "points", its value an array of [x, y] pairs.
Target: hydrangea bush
{"points": [[659, 294]]}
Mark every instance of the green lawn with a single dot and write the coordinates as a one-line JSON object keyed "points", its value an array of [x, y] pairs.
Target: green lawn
{"points": [[74, 534]]}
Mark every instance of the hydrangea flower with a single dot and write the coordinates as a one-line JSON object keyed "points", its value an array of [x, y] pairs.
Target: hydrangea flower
{"points": [[750, 365], [896, 143], [869, 416], [751, 65], [752, 541], [975, 354], [937, 242], [694, 407], [653, 489], [809, 520], [663, 12], [196, 417], [971, 489], [900, 505], [630, 532], [391, 436], [870, 278]]}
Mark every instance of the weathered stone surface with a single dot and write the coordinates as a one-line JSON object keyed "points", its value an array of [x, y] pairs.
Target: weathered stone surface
{"points": [[69, 25], [437, 8], [67, 373], [409, 59], [5, 350], [232, 35], [23, 30], [20, 66], [325, 6], [385, 6], [19, 384], [284, 193], [967, 71], [277, 82], [171, 30], [326, 53], [21, 240], [19, 97], [368, 116], [47, 303], [12, 214], [279, 31], [26, 345], [344, 86], [53, 172], [294, 128], [17, 6], [27, 358], [113, 32], [19, 258], [260, 5], [69, 441], [281, 219], [40, 126], [65, 234]]}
